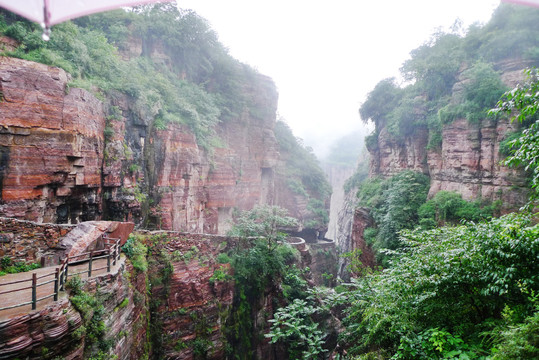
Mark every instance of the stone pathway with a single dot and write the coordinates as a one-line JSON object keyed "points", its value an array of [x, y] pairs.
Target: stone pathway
{"points": [[24, 296]]}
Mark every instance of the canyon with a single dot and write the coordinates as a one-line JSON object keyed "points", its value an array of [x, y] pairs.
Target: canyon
{"points": [[80, 165], [58, 166], [467, 160]]}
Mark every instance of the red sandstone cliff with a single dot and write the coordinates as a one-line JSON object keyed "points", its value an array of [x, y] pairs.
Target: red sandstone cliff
{"points": [[468, 160], [51, 145], [57, 165]]}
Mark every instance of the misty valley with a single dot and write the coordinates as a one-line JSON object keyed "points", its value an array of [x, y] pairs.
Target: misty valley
{"points": [[155, 205]]}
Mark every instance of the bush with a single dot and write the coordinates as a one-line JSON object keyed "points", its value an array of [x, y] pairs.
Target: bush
{"points": [[455, 280], [519, 341], [136, 252], [449, 207], [294, 325], [480, 94], [393, 204], [7, 266]]}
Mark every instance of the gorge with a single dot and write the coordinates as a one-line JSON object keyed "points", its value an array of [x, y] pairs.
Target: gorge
{"points": [[139, 128]]}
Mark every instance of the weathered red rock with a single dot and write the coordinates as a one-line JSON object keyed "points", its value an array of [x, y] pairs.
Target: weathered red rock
{"points": [[57, 167], [468, 160], [51, 144]]}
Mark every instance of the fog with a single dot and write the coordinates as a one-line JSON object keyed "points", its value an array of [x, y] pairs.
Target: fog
{"points": [[326, 56]]}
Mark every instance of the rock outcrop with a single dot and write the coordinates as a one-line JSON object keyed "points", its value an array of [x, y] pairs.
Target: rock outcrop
{"points": [[467, 161], [65, 157], [51, 145]]}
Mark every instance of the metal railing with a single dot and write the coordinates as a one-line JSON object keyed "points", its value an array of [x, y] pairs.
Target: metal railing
{"points": [[111, 253]]}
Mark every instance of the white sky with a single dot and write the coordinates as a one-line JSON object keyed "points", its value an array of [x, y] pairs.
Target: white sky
{"points": [[325, 56]]}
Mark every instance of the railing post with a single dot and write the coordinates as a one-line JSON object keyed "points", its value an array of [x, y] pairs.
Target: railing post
{"points": [[118, 249], [66, 272], [114, 250], [90, 264], [108, 261], [61, 279], [56, 280], [34, 291]]}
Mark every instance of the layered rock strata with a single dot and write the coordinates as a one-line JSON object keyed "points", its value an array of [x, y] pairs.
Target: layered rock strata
{"points": [[468, 160], [57, 165], [59, 329], [51, 145]]}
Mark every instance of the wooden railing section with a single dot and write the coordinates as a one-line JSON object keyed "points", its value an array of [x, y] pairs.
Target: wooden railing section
{"points": [[60, 274]]}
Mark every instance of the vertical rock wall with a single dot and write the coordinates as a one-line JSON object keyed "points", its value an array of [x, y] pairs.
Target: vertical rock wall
{"points": [[337, 176], [51, 145], [66, 158], [468, 161]]}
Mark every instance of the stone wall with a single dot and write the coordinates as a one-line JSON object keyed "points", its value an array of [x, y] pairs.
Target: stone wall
{"points": [[48, 244], [29, 241]]}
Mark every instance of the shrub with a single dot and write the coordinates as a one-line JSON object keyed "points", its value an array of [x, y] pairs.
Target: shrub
{"points": [[294, 325], [451, 279], [136, 252], [449, 207], [393, 204]]}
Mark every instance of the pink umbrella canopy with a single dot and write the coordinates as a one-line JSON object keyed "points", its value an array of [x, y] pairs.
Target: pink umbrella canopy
{"points": [[524, 2], [51, 12]]}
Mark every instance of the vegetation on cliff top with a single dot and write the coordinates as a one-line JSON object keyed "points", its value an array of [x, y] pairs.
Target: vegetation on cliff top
{"points": [[471, 57], [182, 73], [304, 175]]}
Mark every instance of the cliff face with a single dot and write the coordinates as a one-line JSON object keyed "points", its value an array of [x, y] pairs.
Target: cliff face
{"points": [[468, 161], [352, 222], [51, 145], [337, 175], [66, 157]]}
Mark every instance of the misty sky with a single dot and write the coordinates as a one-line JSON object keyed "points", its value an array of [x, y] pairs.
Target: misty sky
{"points": [[325, 56]]}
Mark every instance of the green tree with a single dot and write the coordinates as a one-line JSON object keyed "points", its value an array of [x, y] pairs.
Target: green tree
{"points": [[523, 101], [259, 261], [265, 221], [294, 325], [380, 101], [393, 204], [452, 281], [435, 65], [448, 207]]}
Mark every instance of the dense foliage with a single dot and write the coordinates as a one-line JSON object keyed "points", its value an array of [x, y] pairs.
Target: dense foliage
{"points": [[400, 202], [471, 58], [393, 203], [448, 207], [450, 291], [304, 175], [260, 261], [523, 149], [198, 87]]}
